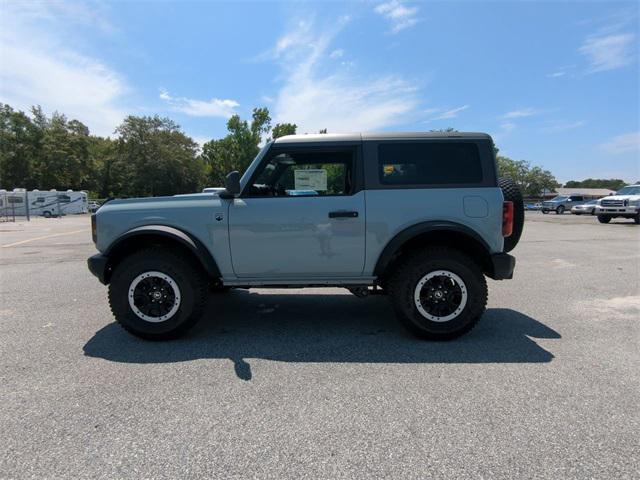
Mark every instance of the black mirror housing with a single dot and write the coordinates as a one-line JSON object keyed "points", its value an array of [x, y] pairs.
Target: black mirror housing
{"points": [[232, 185]]}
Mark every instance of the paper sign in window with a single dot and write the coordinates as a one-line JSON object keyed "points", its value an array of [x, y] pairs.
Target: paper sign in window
{"points": [[315, 179]]}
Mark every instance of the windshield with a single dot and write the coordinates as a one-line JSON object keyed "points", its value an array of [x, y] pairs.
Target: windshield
{"points": [[252, 166], [559, 198], [631, 190]]}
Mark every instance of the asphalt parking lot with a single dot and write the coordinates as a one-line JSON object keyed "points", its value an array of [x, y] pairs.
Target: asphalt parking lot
{"points": [[317, 383]]}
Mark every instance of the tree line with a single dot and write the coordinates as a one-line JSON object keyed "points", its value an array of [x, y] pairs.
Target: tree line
{"points": [[148, 156], [151, 155]]}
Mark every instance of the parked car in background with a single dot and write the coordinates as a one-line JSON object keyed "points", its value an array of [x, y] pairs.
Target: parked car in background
{"points": [[533, 206], [625, 203], [94, 206], [562, 203], [587, 208]]}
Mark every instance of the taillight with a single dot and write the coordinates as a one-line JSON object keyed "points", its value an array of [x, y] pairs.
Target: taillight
{"points": [[94, 230], [507, 219]]}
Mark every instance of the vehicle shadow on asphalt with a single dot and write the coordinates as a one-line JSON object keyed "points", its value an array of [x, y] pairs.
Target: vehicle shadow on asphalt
{"points": [[241, 325]]}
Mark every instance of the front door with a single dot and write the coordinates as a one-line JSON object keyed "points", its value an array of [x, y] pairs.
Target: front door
{"points": [[301, 216]]}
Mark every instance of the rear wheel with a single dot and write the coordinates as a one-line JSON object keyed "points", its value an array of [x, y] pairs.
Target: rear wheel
{"points": [[636, 219], [157, 294], [604, 219], [438, 293], [46, 214]]}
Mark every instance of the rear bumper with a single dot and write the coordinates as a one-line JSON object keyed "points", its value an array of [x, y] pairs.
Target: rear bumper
{"points": [[98, 266], [502, 265]]}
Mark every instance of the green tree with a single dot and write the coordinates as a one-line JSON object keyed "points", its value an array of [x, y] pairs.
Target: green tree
{"points": [[63, 160], [532, 180], [20, 144], [107, 175], [238, 148], [282, 129], [610, 183], [157, 158]]}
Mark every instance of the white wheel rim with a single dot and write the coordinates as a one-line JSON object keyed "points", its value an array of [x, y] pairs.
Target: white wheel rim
{"points": [[440, 273], [170, 283]]}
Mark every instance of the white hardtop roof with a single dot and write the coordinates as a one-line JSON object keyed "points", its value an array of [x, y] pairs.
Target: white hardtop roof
{"points": [[355, 137]]}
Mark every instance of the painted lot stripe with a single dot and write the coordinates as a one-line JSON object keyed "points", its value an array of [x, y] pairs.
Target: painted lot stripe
{"points": [[21, 242]]}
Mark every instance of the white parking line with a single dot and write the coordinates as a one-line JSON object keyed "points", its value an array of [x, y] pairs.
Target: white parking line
{"points": [[21, 242]]}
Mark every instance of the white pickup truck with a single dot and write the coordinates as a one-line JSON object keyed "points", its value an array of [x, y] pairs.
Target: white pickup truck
{"points": [[625, 203]]}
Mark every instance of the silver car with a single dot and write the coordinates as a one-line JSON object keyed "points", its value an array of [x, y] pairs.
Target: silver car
{"points": [[587, 208], [562, 203]]}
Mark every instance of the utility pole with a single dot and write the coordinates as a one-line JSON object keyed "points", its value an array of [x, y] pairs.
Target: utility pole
{"points": [[26, 204]]}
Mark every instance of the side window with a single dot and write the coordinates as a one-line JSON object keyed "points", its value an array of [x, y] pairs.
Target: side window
{"points": [[297, 174], [64, 198], [429, 163], [14, 200], [577, 198], [40, 200]]}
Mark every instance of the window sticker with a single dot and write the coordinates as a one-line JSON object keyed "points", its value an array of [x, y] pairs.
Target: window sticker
{"points": [[312, 179]]}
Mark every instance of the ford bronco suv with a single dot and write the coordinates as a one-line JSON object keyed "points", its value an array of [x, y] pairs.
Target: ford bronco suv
{"points": [[421, 217], [625, 203]]}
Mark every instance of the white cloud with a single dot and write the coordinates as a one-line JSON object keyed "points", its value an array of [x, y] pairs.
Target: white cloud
{"points": [[443, 113], [556, 74], [337, 53], [563, 126], [608, 52], [200, 108], [521, 113], [625, 143], [507, 126], [38, 68], [451, 113], [399, 15], [314, 98]]}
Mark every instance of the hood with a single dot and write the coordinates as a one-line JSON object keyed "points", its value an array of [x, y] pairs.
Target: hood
{"points": [[173, 198], [622, 197]]}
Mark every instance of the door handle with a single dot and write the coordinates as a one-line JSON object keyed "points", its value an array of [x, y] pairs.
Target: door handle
{"points": [[343, 214]]}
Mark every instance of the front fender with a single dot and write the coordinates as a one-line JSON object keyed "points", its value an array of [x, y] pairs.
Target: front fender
{"points": [[200, 251]]}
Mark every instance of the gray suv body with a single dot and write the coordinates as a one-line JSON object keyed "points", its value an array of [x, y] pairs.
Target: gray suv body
{"points": [[419, 216]]}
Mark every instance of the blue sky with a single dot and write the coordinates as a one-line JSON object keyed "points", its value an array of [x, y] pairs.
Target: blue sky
{"points": [[555, 83]]}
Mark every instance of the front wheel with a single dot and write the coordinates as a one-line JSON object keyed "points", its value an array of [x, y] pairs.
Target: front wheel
{"points": [[604, 219], [157, 294], [560, 210], [438, 293]]}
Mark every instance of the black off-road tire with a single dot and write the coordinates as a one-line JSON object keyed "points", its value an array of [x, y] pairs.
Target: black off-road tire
{"points": [[511, 193], [413, 268], [636, 219], [189, 277], [604, 218]]}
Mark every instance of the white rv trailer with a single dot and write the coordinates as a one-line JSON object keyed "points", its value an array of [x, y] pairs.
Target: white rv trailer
{"points": [[46, 203]]}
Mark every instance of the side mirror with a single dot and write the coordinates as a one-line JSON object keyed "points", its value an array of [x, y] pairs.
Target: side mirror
{"points": [[232, 185]]}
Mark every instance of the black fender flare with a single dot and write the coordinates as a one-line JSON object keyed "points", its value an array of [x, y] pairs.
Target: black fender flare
{"points": [[402, 237], [194, 245]]}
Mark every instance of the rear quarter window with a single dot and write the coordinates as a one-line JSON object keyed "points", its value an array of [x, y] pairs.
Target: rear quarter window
{"points": [[429, 163]]}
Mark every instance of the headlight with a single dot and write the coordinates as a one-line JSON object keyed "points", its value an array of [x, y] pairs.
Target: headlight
{"points": [[634, 203]]}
